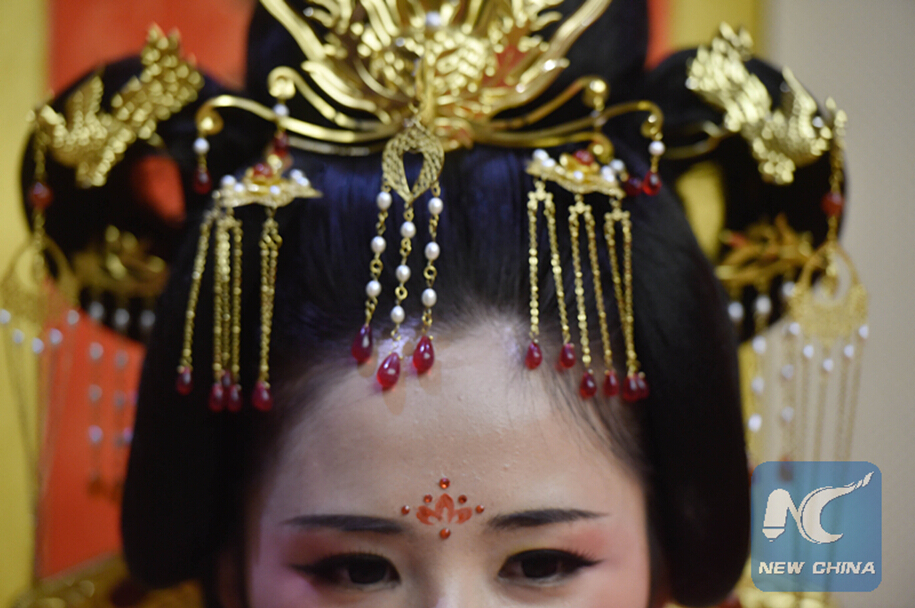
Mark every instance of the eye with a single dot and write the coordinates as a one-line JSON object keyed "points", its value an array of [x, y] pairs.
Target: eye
{"points": [[353, 570], [543, 566]]}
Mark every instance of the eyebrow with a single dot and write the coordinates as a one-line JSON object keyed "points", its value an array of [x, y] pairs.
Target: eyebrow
{"points": [[539, 517], [348, 523]]}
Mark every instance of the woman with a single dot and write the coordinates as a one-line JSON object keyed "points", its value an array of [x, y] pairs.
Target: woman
{"points": [[480, 482]]}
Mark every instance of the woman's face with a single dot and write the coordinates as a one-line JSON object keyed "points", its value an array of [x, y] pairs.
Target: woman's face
{"points": [[462, 488]]}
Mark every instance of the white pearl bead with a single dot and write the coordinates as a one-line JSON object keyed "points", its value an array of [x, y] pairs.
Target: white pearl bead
{"points": [[617, 165], [758, 385], [608, 174], [735, 310], [808, 351], [383, 200], [549, 163], [37, 346], [429, 298], [578, 175], [759, 345], [433, 251], [788, 371], [227, 181], [379, 244], [397, 315], [864, 332], [281, 110], [787, 414], [201, 146], [296, 174], [373, 289], [656, 148], [754, 423], [787, 289], [828, 365], [408, 230], [436, 205], [403, 273], [275, 190], [848, 351], [763, 305], [541, 155], [794, 328]]}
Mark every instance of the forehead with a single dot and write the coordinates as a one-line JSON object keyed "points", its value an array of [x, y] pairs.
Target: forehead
{"points": [[478, 418]]}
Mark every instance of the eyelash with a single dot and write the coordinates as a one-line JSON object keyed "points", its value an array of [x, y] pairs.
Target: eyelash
{"points": [[337, 570], [562, 565]]}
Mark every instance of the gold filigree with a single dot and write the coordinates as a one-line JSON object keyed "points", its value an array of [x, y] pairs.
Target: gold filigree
{"points": [[120, 264], [761, 254], [93, 141], [781, 139], [453, 66]]}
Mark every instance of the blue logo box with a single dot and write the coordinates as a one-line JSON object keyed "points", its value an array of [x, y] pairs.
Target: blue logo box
{"points": [[816, 526]]}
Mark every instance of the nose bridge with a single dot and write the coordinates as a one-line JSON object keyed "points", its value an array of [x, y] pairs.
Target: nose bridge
{"points": [[458, 586]]}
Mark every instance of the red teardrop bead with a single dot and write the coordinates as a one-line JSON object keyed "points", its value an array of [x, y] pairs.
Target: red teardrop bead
{"points": [[262, 170], [631, 388], [611, 384], [202, 182], [643, 386], [632, 186], [389, 371], [362, 344], [262, 398], [233, 398], [832, 204], [588, 387], [281, 144], [651, 185], [424, 355], [40, 195], [534, 356], [185, 382], [567, 356], [217, 397], [584, 157]]}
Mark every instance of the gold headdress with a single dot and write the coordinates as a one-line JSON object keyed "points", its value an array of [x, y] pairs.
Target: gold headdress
{"points": [[427, 78]]}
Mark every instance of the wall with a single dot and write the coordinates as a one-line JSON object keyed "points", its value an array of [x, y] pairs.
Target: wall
{"points": [[861, 54]]}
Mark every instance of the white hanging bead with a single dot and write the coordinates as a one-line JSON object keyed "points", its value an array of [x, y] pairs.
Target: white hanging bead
{"points": [[5, 316], [433, 251], [398, 315], [403, 273], [864, 332], [657, 148], [408, 230], [373, 289], [429, 298], [578, 175], [608, 175], [735, 311], [808, 351], [37, 346], [758, 385], [754, 423], [281, 110], [787, 414], [788, 371], [763, 305], [379, 244], [541, 155], [848, 351], [227, 181], [759, 345], [617, 165], [383, 200], [436, 206], [549, 163], [96, 351], [201, 146], [96, 434], [828, 365], [55, 337]]}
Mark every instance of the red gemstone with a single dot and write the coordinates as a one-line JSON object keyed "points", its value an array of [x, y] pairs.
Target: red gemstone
{"points": [[588, 386], [632, 186], [424, 355], [40, 195], [444, 483], [202, 182], [833, 203], [405, 510], [462, 499], [534, 356], [567, 356], [281, 144], [362, 344], [262, 398], [630, 387], [185, 383], [651, 185], [389, 371], [445, 533], [217, 397], [584, 157], [611, 384], [262, 170], [233, 398]]}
